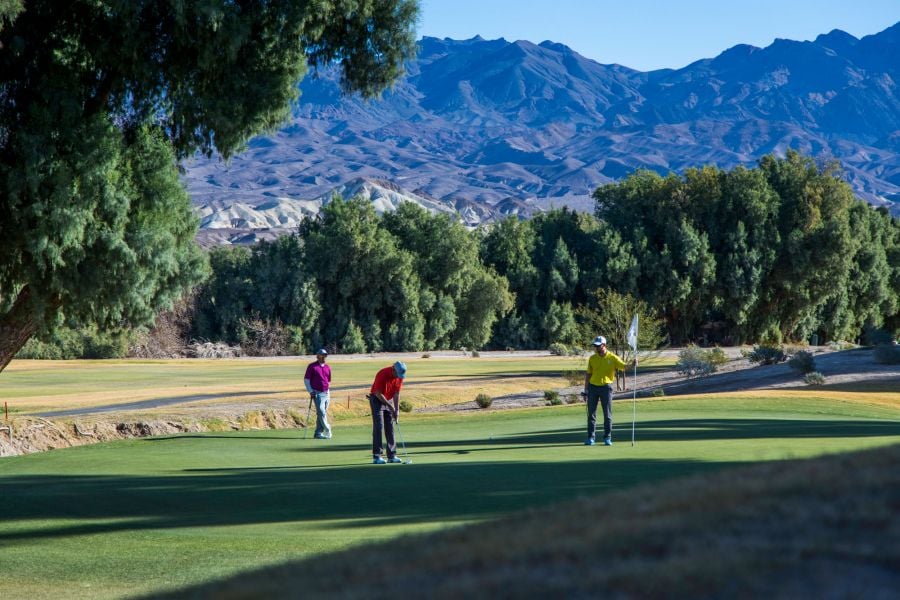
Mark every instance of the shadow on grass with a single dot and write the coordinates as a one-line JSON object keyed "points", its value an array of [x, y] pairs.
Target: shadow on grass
{"points": [[369, 495], [361, 496]]}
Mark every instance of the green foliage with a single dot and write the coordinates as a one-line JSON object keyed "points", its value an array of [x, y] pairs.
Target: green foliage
{"points": [[574, 376], [887, 354], [767, 355], [551, 397], [99, 102], [483, 400], [406, 406], [659, 393], [814, 378], [353, 342], [802, 362], [558, 349], [609, 313], [65, 343]]}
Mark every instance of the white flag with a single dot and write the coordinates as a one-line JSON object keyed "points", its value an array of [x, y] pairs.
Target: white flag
{"points": [[633, 333]]}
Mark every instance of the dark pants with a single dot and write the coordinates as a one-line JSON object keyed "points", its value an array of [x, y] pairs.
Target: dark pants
{"points": [[382, 420], [603, 394]]}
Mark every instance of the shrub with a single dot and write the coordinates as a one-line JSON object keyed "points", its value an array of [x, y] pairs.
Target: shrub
{"points": [[717, 356], [265, 338], [572, 398], [574, 377], [552, 397], [213, 350], [476, 354], [876, 336], [406, 406], [887, 354], [802, 362], [697, 362], [767, 355], [838, 345], [659, 393], [483, 400], [558, 349], [814, 378], [426, 355]]}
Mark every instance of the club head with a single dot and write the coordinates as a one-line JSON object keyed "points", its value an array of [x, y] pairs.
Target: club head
{"points": [[408, 462]]}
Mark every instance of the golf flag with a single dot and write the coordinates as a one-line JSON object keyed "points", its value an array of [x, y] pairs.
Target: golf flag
{"points": [[633, 333]]}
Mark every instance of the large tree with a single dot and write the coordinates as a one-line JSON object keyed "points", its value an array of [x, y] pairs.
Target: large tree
{"points": [[100, 99]]}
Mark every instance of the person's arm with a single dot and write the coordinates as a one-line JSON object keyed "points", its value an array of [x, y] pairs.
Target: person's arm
{"points": [[587, 377], [308, 386]]}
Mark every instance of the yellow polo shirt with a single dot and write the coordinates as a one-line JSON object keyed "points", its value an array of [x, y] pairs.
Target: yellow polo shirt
{"points": [[602, 369]]}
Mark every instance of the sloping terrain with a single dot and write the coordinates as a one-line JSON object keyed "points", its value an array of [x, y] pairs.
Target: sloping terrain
{"points": [[820, 528]]}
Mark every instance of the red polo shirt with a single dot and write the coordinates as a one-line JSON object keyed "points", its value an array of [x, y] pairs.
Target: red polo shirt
{"points": [[386, 383]]}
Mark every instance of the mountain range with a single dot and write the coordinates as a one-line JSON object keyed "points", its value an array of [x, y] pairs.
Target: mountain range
{"points": [[493, 127]]}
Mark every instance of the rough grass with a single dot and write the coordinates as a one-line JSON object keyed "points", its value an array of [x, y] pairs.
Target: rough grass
{"points": [[114, 519]]}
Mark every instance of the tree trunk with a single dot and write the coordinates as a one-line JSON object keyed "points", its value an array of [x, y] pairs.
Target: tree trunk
{"points": [[16, 326]]}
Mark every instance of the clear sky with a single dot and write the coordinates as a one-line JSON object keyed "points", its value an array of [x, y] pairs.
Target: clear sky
{"points": [[653, 34]]}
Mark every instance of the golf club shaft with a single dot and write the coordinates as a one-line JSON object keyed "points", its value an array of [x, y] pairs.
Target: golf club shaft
{"points": [[308, 413], [400, 433]]}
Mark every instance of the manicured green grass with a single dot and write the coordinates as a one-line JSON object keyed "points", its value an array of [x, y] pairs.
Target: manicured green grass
{"points": [[133, 517]]}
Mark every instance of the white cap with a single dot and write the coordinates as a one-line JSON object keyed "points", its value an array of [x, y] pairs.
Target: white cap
{"points": [[599, 341]]}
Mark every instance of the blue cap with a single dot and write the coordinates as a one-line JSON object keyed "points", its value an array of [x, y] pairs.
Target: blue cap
{"points": [[322, 352], [400, 369]]}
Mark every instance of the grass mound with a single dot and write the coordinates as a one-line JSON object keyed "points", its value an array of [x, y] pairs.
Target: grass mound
{"points": [[822, 527]]}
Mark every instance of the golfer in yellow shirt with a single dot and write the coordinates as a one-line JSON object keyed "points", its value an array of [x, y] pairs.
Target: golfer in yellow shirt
{"points": [[601, 372]]}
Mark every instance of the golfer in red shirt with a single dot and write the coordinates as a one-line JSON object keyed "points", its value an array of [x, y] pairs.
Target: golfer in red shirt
{"points": [[384, 400]]}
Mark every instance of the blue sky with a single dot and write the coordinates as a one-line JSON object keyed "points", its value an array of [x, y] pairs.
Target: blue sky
{"points": [[648, 34]]}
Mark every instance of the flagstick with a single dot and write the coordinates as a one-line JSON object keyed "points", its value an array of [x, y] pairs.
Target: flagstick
{"points": [[634, 398]]}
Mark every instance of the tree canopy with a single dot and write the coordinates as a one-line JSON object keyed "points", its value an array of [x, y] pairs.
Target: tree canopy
{"points": [[99, 100]]}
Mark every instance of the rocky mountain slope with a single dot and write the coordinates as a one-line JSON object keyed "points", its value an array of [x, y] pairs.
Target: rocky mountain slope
{"points": [[494, 126]]}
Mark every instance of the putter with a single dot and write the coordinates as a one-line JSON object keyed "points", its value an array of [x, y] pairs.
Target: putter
{"points": [[408, 460], [308, 412]]}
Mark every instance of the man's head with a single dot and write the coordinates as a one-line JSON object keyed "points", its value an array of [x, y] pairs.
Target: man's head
{"points": [[599, 345], [400, 369], [321, 354]]}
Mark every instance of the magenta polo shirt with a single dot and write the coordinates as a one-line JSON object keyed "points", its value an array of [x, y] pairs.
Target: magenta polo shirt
{"points": [[319, 376]]}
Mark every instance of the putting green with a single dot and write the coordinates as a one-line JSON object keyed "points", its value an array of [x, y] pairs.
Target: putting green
{"points": [[144, 515]]}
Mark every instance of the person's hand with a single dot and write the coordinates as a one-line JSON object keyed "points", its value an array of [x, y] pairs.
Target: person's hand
{"points": [[312, 396], [584, 392]]}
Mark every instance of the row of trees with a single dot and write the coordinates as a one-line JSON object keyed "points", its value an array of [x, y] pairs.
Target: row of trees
{"points": [[357, 282], [776, 252]]}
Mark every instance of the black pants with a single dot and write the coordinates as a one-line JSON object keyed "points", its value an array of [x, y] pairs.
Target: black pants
{"points": [[603, 394], [382, 420]]}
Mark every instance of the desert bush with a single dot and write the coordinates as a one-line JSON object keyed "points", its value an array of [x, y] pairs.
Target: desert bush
{"points": [[483, 400], [814, 378], [552, 398], [717, 356], [426, 355], [838, 345], [213, 350], [802, 362], [887, 354], [406, 406], [476, 354], [558, 349], [767, 355], [265, 338], [659, 393], [572, 398], [697, 362]]}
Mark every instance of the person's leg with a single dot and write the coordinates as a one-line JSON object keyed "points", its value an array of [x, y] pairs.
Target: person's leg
{"points": [[592, 398], [323, 429], [606, 403], [377, 427], [389, 435]]}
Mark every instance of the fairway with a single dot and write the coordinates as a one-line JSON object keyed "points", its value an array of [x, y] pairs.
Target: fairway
{"points": [[110, 520]]}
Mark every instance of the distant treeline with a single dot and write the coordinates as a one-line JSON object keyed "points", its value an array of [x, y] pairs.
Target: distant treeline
{"points": [[774, 253]]}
